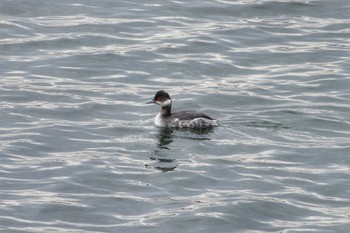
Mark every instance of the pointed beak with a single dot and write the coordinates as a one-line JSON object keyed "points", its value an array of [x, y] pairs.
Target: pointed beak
{"points": [[151, 102]]}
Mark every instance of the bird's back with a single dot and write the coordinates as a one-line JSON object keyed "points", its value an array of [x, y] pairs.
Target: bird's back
{"points": [[190, 115]]}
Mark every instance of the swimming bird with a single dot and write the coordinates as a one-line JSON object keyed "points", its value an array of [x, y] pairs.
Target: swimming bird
{"points": [[182, 119]]}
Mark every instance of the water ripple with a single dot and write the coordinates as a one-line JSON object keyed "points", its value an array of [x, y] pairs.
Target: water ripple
{"points": [[79, 149]]}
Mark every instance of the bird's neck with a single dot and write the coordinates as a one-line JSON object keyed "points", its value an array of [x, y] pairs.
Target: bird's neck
{"points": [[165, 111]]}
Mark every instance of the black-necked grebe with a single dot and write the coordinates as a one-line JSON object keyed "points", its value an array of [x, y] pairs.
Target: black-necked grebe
{"points": [[183, 119]]}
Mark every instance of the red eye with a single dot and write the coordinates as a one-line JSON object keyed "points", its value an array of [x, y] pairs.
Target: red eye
{"points": [[158, 99]]}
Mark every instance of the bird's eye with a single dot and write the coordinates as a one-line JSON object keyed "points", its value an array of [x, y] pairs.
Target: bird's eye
{"points": [[158, 98]]}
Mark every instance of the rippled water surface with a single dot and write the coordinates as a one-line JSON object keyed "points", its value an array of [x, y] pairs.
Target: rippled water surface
{"points": [[79, 149]]}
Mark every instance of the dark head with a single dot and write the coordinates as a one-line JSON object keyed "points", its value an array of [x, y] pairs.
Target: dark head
{"points": [[162, 99]]}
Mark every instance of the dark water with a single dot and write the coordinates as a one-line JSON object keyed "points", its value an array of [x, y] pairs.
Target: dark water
{"points": [[79, 150]]}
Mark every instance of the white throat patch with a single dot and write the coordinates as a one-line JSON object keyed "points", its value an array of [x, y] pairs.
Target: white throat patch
{"points": [[165, 103]]}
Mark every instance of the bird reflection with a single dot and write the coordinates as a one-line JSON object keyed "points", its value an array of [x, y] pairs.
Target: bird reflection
{"points": [[164, 162], [164, 156], [165, 137]]}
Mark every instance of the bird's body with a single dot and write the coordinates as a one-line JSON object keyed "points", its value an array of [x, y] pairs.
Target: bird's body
{"points": [[182, 119]]}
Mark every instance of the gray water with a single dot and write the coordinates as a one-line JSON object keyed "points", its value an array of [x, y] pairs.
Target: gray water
{"points": [[79, 151]]}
